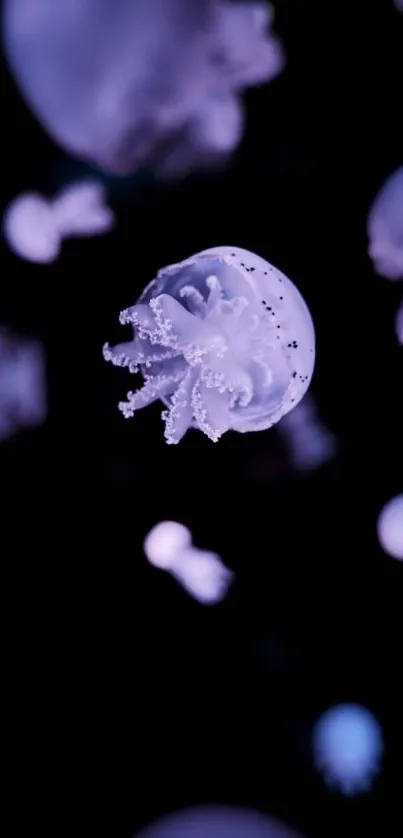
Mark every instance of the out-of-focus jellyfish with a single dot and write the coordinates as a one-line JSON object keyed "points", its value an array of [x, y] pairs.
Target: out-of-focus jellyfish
{"points": [[390, 527], [217, 822], [385, 228], [224, 339], [165, 541], [134, 83], [348, 747], [22, 384], [399, 324], [35, 226], [201, 573], [310, 443], [399, 5]]}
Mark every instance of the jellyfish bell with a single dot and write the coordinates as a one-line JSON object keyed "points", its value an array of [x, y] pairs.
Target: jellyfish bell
{"points": [[30, 230], [385, 228], [390, 527], [132, 83], [217, 822], [224, 339], [348, 747], [165, 543]]}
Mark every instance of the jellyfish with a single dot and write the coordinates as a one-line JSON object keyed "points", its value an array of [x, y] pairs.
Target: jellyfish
{"points": [[223, 339], [348, 747], [34, 226], [310, 443], [217, 822], [168, 546], [390, 527], [399, 5], [131, 83], [165, 541], [385, 228], [23, 401]]}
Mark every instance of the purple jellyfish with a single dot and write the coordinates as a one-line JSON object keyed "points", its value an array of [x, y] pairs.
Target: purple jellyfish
{"points": [[34, 226], [224, 339], [217, 822], [390, 527], [385, 228], [134, 83], [168, 546], [23, 401]]}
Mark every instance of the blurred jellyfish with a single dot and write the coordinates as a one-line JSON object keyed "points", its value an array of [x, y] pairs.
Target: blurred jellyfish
{"points": [[165, 541], [399, 324], [310, 443], [385, 228], [390, 527], [217, 822], [34, 226], [201, 573], [399, 5], [224, 339], [22, 384], [127, 84], [348, 747]]}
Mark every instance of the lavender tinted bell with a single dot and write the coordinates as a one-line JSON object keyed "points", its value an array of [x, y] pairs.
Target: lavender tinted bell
{"points": [[224, 339]]}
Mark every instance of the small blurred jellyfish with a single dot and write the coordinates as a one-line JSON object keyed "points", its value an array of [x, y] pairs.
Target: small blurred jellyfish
{"points": [[390, 527], [133, 83], [224, 339], [35, 226], [399, 324], [385, 228], [217, 822], [22, 384], [165, 541], [201, 573], [348, 747], [310, 443], [399, 5]]}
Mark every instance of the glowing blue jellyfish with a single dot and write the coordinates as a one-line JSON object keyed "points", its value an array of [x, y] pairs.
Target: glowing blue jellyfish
{"points": [[217, 822], [390, 527], [385, 228], [224, 339], [130, 83], [168, 546], [34, 226], [347, 747]]}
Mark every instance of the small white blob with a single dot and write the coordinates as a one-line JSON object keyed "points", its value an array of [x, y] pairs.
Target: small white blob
{"points": [[165, 542], [399, 324], [390, 527], [347, 748], [217, 822], [34, 226], [201, 573], [385, 228], [23, 400], [223, 339], [310, 443]]}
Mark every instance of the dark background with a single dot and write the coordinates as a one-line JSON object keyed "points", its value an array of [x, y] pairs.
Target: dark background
{"points": [[125, 698]]}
